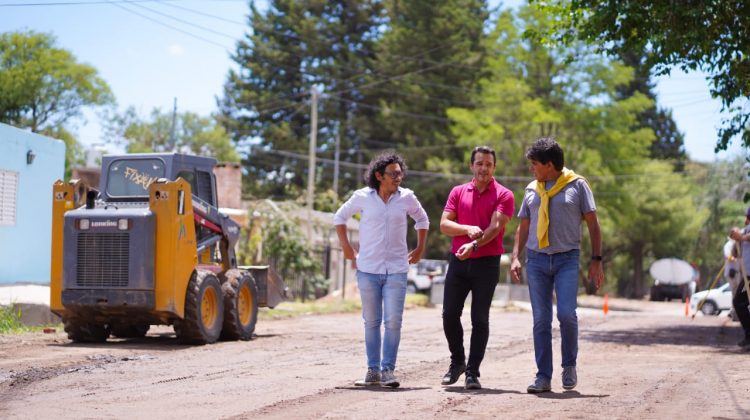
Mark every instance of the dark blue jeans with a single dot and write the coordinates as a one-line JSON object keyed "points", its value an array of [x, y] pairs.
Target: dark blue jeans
{"points": [[558, 272], [478, 276]]}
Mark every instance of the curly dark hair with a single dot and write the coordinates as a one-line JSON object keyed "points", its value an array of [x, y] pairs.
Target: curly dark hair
{"points": [[378, 164], [546, 149]]}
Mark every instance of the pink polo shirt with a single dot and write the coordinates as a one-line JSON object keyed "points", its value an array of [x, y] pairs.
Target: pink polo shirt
{"points": [[474, 208]]}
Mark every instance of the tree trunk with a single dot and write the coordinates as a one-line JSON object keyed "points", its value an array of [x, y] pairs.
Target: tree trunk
{"points": [[636, 254]]}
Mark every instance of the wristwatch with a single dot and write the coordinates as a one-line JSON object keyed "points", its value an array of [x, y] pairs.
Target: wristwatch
{"points": [[474, 245], [596, 258]]}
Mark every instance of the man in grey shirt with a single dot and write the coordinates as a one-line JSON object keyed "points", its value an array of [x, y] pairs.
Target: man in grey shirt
{"points": [[550, 229]]}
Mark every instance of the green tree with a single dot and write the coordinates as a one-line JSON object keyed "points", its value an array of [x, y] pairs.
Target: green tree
{"points": [[285, 246], [708, 35], [662, 217], [192, 134], [295, 46], [669, 142], [722, 185], [43, 87]]}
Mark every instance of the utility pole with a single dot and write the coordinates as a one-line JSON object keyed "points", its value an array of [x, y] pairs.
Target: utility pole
{"points": [[336, 162], [172, 137], [311, 163]]}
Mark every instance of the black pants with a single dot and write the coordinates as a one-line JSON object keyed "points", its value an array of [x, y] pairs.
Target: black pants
{"points": [[478, 276], [740, 303]]}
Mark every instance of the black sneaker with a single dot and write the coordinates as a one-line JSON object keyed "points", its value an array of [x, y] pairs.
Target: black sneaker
{"points": [[454, 372], [472, 382]]}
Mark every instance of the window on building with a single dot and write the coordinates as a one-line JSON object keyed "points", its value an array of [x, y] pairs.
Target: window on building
{"points": [[8, 197]]}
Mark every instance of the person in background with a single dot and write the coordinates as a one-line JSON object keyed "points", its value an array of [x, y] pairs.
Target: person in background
{"points": [[731, 271], [740, 300], [383, 259]]}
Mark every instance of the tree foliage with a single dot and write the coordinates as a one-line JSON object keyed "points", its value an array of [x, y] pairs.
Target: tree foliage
{"points": [[286, 248], [708, 35], [44, 86], [163, 132], [669, 142], [293, 47]]}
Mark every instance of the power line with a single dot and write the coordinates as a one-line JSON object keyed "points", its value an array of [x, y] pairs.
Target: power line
{"points": [[185, 22], [198, 12], [80, 3], [117, 4]]}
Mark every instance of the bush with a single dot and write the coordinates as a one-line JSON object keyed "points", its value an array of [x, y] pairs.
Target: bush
{"points": [[10, 320]]}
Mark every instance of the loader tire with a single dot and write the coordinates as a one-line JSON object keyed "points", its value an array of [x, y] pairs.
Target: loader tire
{"points": [[240, 305], [81, 331], [130, 330], [204, 310]]}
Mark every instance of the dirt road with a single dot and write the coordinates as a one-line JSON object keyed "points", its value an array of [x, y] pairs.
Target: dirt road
{"points": [[650, 362]]}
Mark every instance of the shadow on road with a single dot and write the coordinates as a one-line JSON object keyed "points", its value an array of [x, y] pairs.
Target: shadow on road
{"points": [[483, 391], [382, 388], [691, 335], [567, 395], [165, 341]]}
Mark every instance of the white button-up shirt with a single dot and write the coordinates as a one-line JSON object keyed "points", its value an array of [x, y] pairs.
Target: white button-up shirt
{"points": [[382, 228]]}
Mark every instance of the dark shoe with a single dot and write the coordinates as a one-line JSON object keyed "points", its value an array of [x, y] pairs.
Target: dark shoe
{"points": [[569, 377], [454, 372], [541, 384], [372, 377], [387, 378], [472, 382]]}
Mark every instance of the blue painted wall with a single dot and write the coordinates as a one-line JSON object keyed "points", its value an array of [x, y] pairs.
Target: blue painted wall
{"points": [[25, 248]]}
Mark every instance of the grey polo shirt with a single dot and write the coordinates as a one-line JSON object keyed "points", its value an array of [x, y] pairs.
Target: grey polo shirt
{"points": [[566, 210]]}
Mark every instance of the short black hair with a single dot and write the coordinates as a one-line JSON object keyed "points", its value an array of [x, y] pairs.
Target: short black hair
{"points": [[546, 149], [483, 149], [378, 165]]}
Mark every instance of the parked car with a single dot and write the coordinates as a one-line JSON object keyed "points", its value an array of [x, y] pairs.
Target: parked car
{"points": [[420, 276], [717, 300]]}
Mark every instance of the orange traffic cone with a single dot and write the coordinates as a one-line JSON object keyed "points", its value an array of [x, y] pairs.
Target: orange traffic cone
{"points": [[605, 307], [687, 306]]}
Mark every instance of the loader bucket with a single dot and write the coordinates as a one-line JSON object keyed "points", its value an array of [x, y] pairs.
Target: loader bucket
{"points": [[271, 287]]}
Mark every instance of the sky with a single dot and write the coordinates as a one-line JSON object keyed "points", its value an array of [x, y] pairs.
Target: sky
{"points": [[151, 52]]}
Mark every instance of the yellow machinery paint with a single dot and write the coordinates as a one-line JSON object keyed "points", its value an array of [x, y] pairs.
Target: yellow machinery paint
{"points": [[65, 197], [176, 256]]}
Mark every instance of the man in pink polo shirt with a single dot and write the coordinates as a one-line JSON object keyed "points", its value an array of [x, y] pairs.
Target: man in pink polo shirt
{"points": [[475, 216]]}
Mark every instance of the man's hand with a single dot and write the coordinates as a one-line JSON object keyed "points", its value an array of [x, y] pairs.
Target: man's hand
{"points": [[474, 232], [465, 250], [515, 270], [349, 252], [735, 234], [596, 273], [416, 255]]}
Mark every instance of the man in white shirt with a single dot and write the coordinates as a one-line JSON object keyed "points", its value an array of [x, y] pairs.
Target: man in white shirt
{"points": [[383, 259]]}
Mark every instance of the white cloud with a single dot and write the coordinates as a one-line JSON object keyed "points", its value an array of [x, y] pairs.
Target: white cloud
{"points": [[176, 50]]}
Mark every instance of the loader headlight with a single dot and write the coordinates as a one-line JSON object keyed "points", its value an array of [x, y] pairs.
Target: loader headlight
{"points": [[123, 224], [84, 224]]}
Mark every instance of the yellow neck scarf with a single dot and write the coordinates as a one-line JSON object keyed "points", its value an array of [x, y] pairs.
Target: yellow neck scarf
{"points": [[542, 224]]}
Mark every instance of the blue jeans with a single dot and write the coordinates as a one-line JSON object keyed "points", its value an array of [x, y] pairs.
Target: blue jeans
{"points": [[383, 298], [545, 273]]}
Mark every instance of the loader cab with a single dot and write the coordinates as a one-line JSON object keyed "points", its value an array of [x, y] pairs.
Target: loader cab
{"points": [[126, 178]]}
